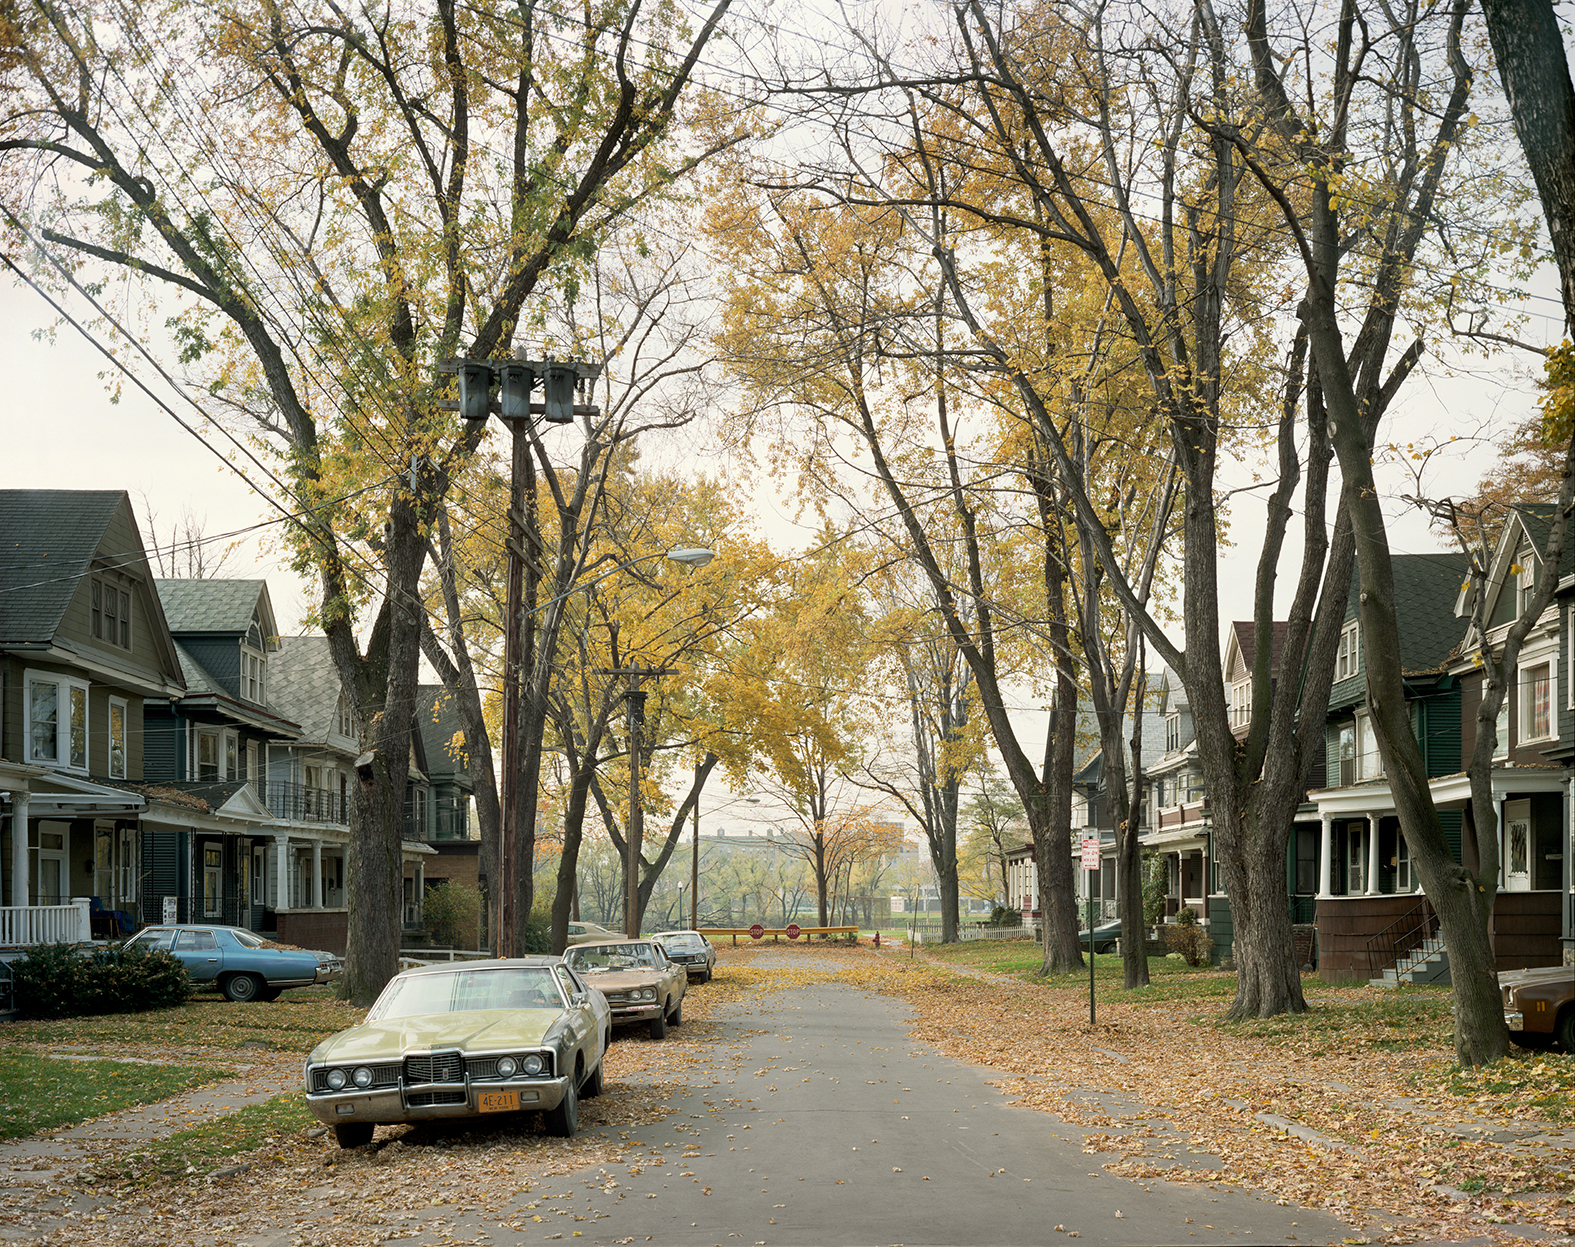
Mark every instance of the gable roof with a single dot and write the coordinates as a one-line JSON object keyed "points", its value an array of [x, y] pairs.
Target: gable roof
{"points": [[49, 540], [1239, 646], [1426, 586], [304, 684], [442, 731], [216, 605]]}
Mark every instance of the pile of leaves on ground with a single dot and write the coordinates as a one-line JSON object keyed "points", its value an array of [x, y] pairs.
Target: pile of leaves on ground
{"points": [[1356, 1106], [61, 980]]}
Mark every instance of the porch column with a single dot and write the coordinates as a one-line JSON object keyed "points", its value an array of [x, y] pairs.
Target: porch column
{"points": [[1325, 855], [19, 889], [317, 874], [1372, 855], [281, 841]]}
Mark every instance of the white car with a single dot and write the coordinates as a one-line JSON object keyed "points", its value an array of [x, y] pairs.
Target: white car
{"points": [[590, 933]]}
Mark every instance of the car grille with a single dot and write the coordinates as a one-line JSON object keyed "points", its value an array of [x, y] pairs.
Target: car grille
{"points": [[438, 1067], [617, 998], [436, 1097]]}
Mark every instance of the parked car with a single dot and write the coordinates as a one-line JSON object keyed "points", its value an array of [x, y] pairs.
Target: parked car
{"points": [[640, 983], [691, 950], [464, 1039], [1539, 1006], [241, 963], [1105, 937], [590, 933]]}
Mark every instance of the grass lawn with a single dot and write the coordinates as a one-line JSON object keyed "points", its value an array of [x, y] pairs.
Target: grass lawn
{"points": [[37, 1092], [206, 1148]]}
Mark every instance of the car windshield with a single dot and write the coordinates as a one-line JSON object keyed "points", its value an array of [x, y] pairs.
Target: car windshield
{"points": [[508, 987], [686, 943], [597, 958]]}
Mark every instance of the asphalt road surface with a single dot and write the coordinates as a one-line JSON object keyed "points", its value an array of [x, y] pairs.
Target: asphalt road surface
{"points": [[838, 1130]]}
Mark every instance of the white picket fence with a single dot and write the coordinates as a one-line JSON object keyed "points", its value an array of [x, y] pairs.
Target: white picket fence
{"points": [[28, 926]]}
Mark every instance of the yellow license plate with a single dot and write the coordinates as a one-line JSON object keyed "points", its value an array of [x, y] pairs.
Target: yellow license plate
{"points": [[497, 1101]]}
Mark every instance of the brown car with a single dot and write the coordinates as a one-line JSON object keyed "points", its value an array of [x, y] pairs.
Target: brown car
{"points": [[1539, 1005], [640, 983]]}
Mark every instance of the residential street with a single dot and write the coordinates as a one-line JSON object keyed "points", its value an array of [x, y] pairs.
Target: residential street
{"points": [[803, 1115]]}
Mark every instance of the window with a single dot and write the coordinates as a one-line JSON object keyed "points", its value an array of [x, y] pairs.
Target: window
{"points": [[207, 755], [212, 881], [1536, 702], [1172, 733], [1405, 881], [1241, 703], [346, 724], [1525, 581], [117, 738], [232, 761], [57, 726], [1345, 661], [1501, 728], [1347, 754], [1369, 762], [251, 763], [110, 613], [254, 685]]}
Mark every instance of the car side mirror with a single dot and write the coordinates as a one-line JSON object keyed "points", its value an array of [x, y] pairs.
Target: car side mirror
{"points": [[579, 998]]}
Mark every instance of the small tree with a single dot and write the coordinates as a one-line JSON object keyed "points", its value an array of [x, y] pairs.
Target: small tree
{"points": [[1156, 886], [453, 913]]}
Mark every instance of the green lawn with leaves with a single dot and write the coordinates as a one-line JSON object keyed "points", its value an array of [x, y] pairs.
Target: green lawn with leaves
{"points": [[178, 1049], [39, 1091]]}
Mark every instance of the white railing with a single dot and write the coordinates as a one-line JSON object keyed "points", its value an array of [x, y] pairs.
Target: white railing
{"points": [[28, 926], [409, 957]]}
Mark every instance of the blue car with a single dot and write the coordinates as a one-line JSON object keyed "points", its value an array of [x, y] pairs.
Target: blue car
{"points": [[242, 964]]}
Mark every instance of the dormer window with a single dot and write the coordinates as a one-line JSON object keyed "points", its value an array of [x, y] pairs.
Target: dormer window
{"points": [[1172, 733], [1345, 660], [1241, 703], [346, 724], [254, 683], [1525, 582]]}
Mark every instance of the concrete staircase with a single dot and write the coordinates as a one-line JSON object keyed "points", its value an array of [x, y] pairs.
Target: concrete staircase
{"points": [[1426, 963]]}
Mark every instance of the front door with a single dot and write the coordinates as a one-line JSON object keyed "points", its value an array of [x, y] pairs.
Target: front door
{"points": [[1517, 846]]}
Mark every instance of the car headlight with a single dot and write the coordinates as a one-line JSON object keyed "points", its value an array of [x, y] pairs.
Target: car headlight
{"points": [[506, 1066], [533, 1065], [648, 993], [336, 1079], [362, 1077]]}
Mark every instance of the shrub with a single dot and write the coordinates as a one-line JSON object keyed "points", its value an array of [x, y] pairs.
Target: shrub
{"points": [[452, 912], [1005, 916], [1185, 917], [58, 981], [1188, 940], [1156, 886]]}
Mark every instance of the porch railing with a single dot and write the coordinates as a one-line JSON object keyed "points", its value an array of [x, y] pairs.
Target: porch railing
{"points": [[28, 926], [1402, 936], [301, 804]]}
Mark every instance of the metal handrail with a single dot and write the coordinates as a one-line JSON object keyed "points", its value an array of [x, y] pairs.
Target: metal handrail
{"points": [[1405, 933]]}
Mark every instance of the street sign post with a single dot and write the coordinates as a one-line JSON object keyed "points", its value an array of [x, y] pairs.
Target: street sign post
{"points": [[756, 931], [1091, 864]]}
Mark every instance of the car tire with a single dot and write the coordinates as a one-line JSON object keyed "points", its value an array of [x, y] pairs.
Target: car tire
{"points": [[659, 1026], [1564, 1029], [564, 1120], [244, 988], [676, 1017], [594, 1085], [353, 1134], [707, 978]]}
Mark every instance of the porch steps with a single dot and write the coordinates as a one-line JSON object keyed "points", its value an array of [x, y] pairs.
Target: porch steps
{"points": [[1427, 963]]}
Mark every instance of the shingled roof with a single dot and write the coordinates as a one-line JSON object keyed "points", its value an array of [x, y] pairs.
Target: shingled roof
{"points": [[210, 605], [48, 538], [304, 684], [442, 731]]}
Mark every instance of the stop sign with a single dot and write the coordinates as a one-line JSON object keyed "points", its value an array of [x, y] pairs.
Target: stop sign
{"points": [[756, 931], [792, 931]]}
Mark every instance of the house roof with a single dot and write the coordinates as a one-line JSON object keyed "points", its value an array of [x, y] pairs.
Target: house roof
{"points": [[442, 731], [1426, 586], [304, 683], [48, 538], [214, 605], [1245, 632]]}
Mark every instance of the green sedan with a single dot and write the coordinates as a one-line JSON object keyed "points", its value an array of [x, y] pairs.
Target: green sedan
{"points": [[463, 1039]]}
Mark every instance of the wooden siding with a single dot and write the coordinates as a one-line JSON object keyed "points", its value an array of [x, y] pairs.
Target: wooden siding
{"points": [[1441, 735], [164, 752], [1527, 930], [1346, 924]]}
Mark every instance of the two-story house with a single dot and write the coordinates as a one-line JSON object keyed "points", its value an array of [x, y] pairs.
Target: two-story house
{"points": [[443, 820], [83, 649], [1370, 906]]}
